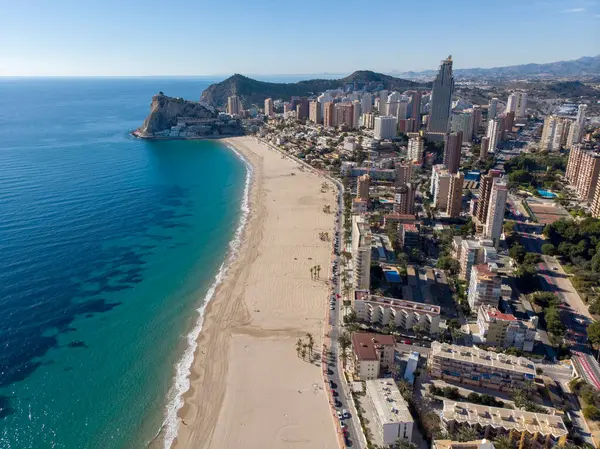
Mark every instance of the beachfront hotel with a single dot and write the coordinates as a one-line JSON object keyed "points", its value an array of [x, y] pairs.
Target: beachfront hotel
{"points": [[392, 417], [371, 353], [403, 314], [526, 429], [479, 368]]}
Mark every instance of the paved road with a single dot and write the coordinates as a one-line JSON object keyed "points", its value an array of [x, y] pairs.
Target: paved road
{"points": [[574, 315]]}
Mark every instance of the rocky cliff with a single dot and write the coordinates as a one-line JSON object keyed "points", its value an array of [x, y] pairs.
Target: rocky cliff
{"points": [[179, 118]]}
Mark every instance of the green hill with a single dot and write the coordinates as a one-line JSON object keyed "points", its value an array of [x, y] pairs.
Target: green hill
{"points": [[255, 92]]}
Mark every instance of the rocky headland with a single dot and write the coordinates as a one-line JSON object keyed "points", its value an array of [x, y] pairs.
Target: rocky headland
{"points": [[176, 118]]}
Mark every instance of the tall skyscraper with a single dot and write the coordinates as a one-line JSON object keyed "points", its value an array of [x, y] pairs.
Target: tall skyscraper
{"points": [[415, 149], [583, 169], [485, 191], [402, 109], [314, 112], [392, 104], [404, 199], [385, 127], [441, 98], [344, 114], [521, 105], [495, 215], [440, 186], [329, 114], [383, 95], [357, 112], [577, 129], [485, 146], [234, 106], [555, 133], [366, 103], [477, 118], [415, 106], [452, 152], [269, 107], [455, 192], [511, 103], [494, 133], [462, 121], [403, 173], [492, 109]]}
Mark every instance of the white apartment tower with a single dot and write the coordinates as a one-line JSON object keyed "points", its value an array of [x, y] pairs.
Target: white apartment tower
{"points": [[416, 147], [495, 215], [366, 103], [386, 127], [492, 109]]}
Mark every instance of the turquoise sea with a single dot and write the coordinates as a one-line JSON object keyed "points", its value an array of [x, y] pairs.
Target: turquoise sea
{"points": [[108, 245]]}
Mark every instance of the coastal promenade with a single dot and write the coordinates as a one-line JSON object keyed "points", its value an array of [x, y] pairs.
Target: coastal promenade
{"points": [[249, 387]]}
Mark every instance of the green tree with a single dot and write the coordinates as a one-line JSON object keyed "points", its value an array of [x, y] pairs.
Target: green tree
{"points": [[311, 343], [402, 443], [591, 412], [532, 259], [520, 177], [466, 433], [593, 332], [517, 252], [548, 249], [504, 442], [345, 342], [299, 347]]}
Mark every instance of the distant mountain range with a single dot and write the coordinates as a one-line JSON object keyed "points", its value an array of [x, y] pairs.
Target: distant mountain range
{"points": [[582, 67], [256, 92]]}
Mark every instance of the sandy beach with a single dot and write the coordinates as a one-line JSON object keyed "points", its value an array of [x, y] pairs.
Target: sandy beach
{"points": [[249, 389]]}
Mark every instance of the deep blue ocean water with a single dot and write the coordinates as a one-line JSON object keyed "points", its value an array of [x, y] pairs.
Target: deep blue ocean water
{"points": [[107, 246]]}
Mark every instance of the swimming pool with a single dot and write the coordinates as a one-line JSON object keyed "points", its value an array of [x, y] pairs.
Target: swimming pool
{"points": [[546, 194]]}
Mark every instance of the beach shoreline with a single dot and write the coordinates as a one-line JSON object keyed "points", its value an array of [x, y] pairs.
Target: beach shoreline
{"points": [[245, 353]]}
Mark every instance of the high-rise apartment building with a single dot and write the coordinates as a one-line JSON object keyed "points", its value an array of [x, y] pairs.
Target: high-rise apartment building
{"points": [[485, 191], [521, 110], [363, 183], [404, 200], [474, 252], [452, 151], [344, 114], [441, 98], [407, 126], [356, 113], [392, 104], [596, 202], [383, 101], [269, 107], [391, 417], [494, 133], [415, 149], [463, 122], [314, 112], [485, 286], [366, 103], [403, 173], [440, 187], [329, 115], [361, 252], [484, 148], [455, 192], [583, 168], [495, 214], [415, 106], [577, 128], [234, 106], [555, 133], [385, 127], [492, 109], [477, 118], [511, 103]]}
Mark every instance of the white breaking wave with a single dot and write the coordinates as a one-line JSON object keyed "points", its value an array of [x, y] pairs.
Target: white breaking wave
{"points": [[183, 368]]}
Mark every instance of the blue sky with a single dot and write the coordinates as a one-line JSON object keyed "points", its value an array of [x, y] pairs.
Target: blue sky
{"points": [[196, 37]]}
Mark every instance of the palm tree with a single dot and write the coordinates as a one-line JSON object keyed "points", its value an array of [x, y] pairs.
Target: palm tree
{"points": [[405, 388], [344, 342], [311, 344], [303, 352], [299, 346], [312, 274], [503, 442], [318, 268], [467, 434]]}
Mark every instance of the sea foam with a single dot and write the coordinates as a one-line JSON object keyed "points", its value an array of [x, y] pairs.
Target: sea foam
{"points": [[181, 381]]}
